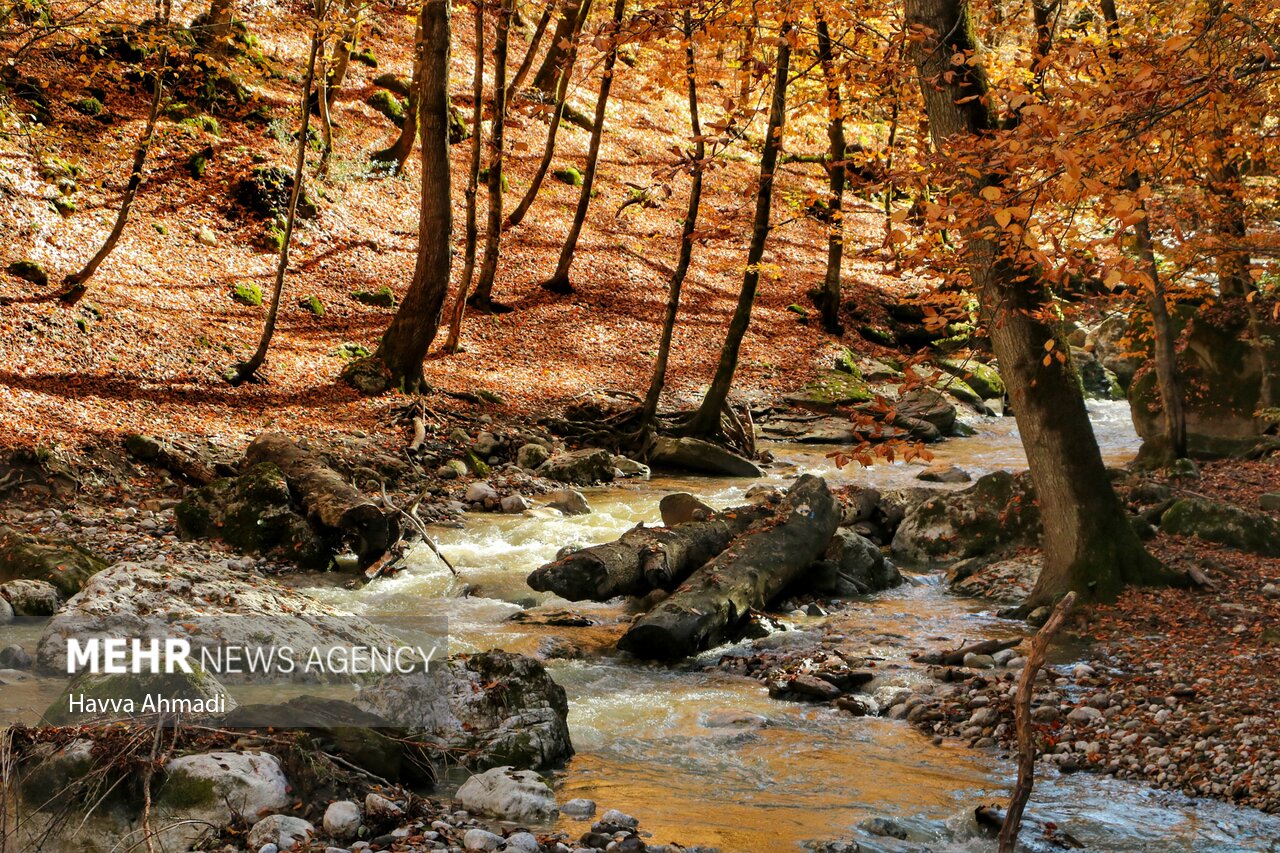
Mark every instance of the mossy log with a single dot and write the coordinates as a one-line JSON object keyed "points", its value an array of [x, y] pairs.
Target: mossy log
{"points": [[644, 558], [172, 458], [752, 571], [62, 564], [331, 503]]}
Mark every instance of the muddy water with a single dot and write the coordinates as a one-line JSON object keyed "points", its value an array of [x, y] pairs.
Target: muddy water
{"points": [[653, 742]]}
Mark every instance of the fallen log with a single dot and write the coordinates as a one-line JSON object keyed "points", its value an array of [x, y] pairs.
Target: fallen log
{"points": [[330, 502], [754, 569], [172, 458], [956, 657], [643, 558]]}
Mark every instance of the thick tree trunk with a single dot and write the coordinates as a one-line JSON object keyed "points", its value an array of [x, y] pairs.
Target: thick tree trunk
{"points": [[553, 129], [707, 419], [835, 229], [398, 152], [644, 558], [216, 32], [535, 40], [559, 281], [329, 500], [246, 370], [755, 568], [414, 327], [453, 341], [1088, 543], [560, 50], [75, 285], [649, 411], [483, 297]]}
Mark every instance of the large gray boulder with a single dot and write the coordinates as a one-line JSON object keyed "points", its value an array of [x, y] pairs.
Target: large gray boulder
{"points": [[218, 787], [209, 607], [502, 792], [494, 709], [579, 467], [702, 457], [31, 599], [996, 512], [1224, 524]]}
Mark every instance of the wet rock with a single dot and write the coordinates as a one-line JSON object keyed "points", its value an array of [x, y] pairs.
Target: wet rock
{"points": [[630, 468], [216, 786], [480, 493], [531, 455], [729, 718], [62, 564], [1225, 524], [481, 839], [813, 687], [579, 808], [852, 565], [568, 501], [508, 794], [515, 504], [281, 830], [885, 828], [703, 457], [944, 474], [982, 378], [930, 406], [1007, 581], [679, 507], [579, 467], [997, 511], [613, 820], [342, 820], [15, 657]]}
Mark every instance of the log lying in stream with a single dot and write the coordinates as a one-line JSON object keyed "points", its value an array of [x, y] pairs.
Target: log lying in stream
{"points": [[644, 558], [331, 503], [955, 657], [752, 571]]}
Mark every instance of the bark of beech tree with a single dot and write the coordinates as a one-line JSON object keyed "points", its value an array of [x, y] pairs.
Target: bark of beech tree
{"points": [[835, 228], [452, 342], [559, 281], [351, 18], [414, 327], [535, 40], [483, 297], [558, 51], [1088, 543], [217, 26], [398, 152], [706, 421], [649, 411]]}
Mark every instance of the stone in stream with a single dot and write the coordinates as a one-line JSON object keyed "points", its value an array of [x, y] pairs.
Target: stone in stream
{"points": [[579, 808], [481, 839], [284, 831], [679, 507], [514, 504], [6, 612], [997, 511], [508, 794], [480, 493], [216, 786], [568, 501], [31, 599], [579, 467], [702, 457], [943, 473], [1007, 581], [15, 657]]}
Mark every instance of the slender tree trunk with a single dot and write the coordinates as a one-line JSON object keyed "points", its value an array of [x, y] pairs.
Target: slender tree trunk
{"points": [[322, 104], [747, 80], [835, 230], [559, 281], [549, 149], [535, 41], [706, 421], [246, 370], [351, 18], [217, 27], [398, 152], [649, 411], [76, 285], [1088, 543], [562, 44], [483, 297], [452, 342], [414, 327]]}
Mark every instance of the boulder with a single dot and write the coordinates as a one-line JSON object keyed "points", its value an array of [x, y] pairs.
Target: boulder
{"points": [[283, 831], [679, 507], [930, 406], [494, 709], [15, 657], [579, 467], [480, 493], [1006, 581], [943, 473], [1097, 382], [342, 820], [255, 514], [982, 378], [501, 792], [514, 504], [1225, 524], [28, 557], [6, 612], [531, 455], [568, 501], [627, 467], [997, 511], [31, 599], [481, 839], [1112, 343], [209, 606], [831, 389], [703, 457], [124, 694], [852, 565], [219, 786]]}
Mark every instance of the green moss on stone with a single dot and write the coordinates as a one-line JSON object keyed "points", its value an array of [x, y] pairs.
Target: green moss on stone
{"points": [[568, 175], [247, 293]]}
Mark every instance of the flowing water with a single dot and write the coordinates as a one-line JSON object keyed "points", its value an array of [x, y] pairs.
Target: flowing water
{"points": [[652, 740]]}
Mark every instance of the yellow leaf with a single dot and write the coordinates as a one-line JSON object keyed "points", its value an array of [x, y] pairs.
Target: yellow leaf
{"points": [[1050, 344], [990, 193], [1003, 217]]}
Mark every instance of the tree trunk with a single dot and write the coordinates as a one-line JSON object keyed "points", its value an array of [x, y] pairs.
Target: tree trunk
{"points": [[217, 27], [246, 370], [707, 419], [559, 51], [649, 411], [559, 281], [483, 297], [1088, 543], [329, 500], [452, 342], [352, 17], [534, 41], [398, 152], [755, 568], [414, 327], [644, 558], [557, 113], [75, 285], [835, 133]]}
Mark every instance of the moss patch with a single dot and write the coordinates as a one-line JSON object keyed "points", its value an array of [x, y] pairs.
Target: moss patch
{"points": [[247, 293], [380, 298], [831, 389]]}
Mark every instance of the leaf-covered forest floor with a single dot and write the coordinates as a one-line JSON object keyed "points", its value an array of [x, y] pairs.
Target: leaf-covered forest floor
{"points": [[147, 348]]}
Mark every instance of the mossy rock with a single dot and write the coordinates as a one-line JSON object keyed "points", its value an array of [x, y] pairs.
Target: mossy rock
{"points": [[847, 362], [255, 514], [349, 350], [388, 104], [266, 189], [380, 298], [202, 124], [1096, 381], [28, 557], [1225, 524], [247, 293], [135, 688], [89, 106], [459, 130], [833, 388], [393, 83], [312, 304], [367, 375], [568, 175], [984, 379], [29, 271], [197, 164], [876, 335], [365, 57]]}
